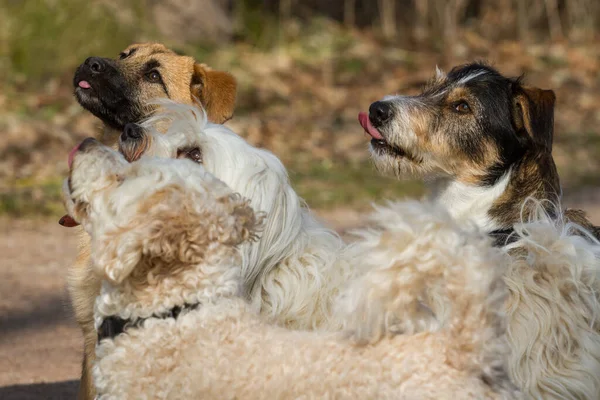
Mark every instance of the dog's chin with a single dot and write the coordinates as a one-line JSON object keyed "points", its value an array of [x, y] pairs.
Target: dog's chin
{"points": [[114, 117], [393, 160], [133, 151], [381, 146]]}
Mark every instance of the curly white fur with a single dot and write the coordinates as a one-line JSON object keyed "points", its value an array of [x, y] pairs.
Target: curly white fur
{"points": [[177, 238], [554, 308], [293, 272], [426, 273]]}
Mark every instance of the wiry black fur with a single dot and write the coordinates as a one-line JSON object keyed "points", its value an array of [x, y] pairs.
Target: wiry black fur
{"points": [[494, 93], [110, 98]]}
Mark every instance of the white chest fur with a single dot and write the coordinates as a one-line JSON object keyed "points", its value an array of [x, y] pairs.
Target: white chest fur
{"points": [[469, 202]]}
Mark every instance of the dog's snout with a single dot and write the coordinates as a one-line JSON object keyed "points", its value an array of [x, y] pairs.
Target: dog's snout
{"points": [[87, 144], [379, 113], [132, 132], [96, 64]]}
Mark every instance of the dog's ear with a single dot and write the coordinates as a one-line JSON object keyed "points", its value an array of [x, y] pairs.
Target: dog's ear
{"points": [[244, 225], [117, 253], [216, 90], [160, 235], [534, 114]]}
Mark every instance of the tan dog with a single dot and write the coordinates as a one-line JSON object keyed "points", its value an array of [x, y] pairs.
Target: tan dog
{"points": [[121, 91]]}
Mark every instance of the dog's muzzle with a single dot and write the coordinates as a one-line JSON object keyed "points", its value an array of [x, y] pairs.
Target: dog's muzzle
{"points": [[133, 142]]}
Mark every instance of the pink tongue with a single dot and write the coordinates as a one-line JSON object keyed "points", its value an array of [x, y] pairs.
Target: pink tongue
{"points": [[72, 155], [363, 120], [84, 85]]}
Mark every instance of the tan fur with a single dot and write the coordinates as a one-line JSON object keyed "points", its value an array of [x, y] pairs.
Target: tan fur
{"points": [[554, 308], [176, 241], [187, 82]]}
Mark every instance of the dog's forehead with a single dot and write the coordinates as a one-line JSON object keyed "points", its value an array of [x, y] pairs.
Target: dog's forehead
{"points": [[467, 76], [174, 68], [147, 49], [141, 54]]}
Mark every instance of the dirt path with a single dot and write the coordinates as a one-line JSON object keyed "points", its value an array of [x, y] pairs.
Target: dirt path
{"points": [[39, 341], [40, 345]]}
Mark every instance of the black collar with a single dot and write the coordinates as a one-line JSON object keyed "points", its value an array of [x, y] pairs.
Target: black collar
{"points": [[502, 237], [113, 325]]}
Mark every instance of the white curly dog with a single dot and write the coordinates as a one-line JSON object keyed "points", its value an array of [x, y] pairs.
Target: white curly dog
{"points": [[294, 271], [424, 321]]}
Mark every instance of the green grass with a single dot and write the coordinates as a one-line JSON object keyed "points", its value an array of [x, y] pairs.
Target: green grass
{"points": [[322, 185], [327, 186], [26, 199], [43, 39]]}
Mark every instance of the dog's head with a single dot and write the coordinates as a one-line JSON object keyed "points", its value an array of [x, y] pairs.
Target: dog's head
{"points": [[471, 124], [156, 217], [177, 132], [255, 173], [120, 91]]}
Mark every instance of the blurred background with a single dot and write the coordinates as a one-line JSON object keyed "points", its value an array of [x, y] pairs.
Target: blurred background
{"points": [[305, 69]]}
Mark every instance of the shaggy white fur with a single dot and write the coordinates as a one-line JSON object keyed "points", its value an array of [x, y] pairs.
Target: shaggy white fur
{"points": [[554, 308], [293, 273], [165, 233], [405, 289]]}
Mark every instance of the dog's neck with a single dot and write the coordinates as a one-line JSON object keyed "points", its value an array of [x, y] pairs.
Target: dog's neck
{"points": [[158, 295], [469, 202], [499, 206]]}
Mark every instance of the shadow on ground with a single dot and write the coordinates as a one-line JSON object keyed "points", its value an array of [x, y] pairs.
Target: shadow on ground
{"points": [[45, 313], [40, 391]]}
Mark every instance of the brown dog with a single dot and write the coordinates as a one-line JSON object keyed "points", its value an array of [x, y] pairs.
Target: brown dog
{"points": [[483, 142], [118, 92]]}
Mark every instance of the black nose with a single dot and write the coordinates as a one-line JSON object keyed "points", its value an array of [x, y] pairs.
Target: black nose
{"points": [[132, 132], [96, 64], [379, 113]]}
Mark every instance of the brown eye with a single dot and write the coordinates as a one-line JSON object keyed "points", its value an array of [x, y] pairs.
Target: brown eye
{"points": [[191, 153], [195, 155], [462, 107], [153, 76]]}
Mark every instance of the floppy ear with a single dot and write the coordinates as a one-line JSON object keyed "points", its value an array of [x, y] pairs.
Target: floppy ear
{"points": [[216, 91], [164, 235], [117, 253], [534, 114]]}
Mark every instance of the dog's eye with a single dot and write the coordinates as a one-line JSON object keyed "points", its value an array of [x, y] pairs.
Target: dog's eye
{"points": [[191, 153], [122, 55], [153, 76], [462, 107], [195, 155]]}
